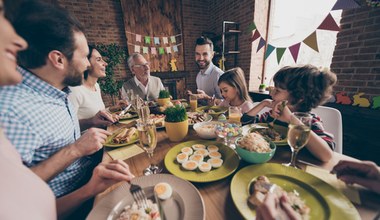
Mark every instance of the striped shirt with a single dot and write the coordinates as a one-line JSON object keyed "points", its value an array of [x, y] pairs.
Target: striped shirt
{"points": [[316, 125], [39, 121]]}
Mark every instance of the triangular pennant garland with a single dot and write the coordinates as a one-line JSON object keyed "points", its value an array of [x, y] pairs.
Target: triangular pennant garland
{"points": [[251, 27], [311, 41], [261, 44], [345, 4], [294, 51], [329, 24], [280, 52], [270, 49], [255, 36]]}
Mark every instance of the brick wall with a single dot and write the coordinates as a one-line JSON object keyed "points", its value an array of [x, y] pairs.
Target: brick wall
{"points": [[356, 59]]}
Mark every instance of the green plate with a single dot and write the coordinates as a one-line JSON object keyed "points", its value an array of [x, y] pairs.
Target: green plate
{"points": [[217, 110], [324, 200], [208, 118], [132, 115], [280, 129], [229, 156], [109, 143]]}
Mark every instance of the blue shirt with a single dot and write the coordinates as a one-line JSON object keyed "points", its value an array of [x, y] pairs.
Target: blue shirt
{"points": [[39, 121], [208, 81]]}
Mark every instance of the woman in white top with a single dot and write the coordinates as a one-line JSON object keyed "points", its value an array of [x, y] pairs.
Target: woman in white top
{"points": [[234, 90], [87, 99], [23, 194]]}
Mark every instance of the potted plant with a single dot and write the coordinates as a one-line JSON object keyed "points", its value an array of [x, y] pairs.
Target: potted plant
{"points": [[163, 97], [262, 87], [176, 123]]}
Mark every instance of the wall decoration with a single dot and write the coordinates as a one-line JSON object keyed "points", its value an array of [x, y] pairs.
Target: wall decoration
{"points": [[154, 28], [360, 101], [342, 98], [173, 67]]}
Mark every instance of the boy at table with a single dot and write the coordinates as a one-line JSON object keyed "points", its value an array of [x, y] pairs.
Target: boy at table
{"points": [[39, 120]]}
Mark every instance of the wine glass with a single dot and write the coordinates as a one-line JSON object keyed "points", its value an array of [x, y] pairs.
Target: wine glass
{"points": [[298, 134], [148, 142]]}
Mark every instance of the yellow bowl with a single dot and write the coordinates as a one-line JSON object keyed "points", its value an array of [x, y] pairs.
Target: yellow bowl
{"points": [[162, 102]]}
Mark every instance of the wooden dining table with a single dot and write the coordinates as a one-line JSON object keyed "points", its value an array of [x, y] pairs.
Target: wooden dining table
{"points": [[216, 195]]}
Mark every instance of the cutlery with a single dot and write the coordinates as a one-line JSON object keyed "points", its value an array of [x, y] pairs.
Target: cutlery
{"points": [[139, 196], [160, 208], [125, 110]]}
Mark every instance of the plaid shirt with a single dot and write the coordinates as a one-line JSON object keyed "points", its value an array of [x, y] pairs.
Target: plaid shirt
{"points": [[316, 125], [39, 121]]}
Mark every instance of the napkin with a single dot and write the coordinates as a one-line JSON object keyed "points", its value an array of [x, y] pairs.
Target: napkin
{"points": [[349, 191], [123, 153]]}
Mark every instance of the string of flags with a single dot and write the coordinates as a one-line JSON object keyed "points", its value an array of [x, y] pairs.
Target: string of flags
{"points": [[155, 50], [327, 24], [154, 39]]}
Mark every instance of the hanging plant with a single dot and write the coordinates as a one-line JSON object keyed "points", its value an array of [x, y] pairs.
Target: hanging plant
{"points": [[114, 56]]}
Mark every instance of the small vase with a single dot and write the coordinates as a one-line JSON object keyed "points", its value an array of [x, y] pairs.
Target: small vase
{"points": [[162, 102], [177, 131]]}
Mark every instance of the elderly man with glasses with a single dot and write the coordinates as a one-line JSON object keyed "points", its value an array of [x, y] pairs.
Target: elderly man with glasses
{"points": [[143, 84]]}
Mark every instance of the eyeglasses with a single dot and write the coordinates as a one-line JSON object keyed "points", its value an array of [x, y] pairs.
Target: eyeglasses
{"points": [[141, 65]]}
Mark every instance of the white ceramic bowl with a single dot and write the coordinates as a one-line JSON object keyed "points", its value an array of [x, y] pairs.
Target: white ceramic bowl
{"points": [[206, 129]]}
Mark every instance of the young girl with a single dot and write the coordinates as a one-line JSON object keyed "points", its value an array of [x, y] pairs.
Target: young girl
{"points": [[304, 88], [234, 90]]}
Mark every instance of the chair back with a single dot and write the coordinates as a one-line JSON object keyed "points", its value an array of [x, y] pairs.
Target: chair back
{"points": [[332, 123]]}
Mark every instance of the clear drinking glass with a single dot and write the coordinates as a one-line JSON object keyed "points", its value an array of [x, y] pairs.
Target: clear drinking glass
{"points": [[193, 102], [148, 142], [298, 134], [234, 115]]}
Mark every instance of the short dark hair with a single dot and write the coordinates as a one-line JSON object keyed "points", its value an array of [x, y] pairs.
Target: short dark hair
{"points": [[45, 27], [90, 49], [308, 86], [203, 41]]}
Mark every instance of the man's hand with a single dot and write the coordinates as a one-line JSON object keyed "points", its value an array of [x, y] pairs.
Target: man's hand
{"points": [[107, 174], [90, 142], [103, 119], [276, 208], [365, 173]]}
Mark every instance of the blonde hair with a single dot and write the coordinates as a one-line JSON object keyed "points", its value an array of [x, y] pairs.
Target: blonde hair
{"points": [[235, 78]]}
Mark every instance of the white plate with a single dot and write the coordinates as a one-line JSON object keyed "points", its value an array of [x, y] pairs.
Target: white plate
{"points": [[185, 203]]}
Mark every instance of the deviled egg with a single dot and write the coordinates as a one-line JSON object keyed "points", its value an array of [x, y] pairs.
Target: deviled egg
{"points": [[163, 190], [215, 154], [215, 162], [212, 148], [202, 152], [204, 167], [196, 157], [182, 157], [198, 146], [187, 150], [190, 165]]}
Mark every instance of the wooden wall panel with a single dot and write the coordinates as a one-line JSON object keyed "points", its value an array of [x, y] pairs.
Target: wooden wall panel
{"points": [[158, 18]]}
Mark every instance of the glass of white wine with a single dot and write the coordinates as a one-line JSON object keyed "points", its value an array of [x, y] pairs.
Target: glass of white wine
{"points": [[298, 134], [148, 142]]}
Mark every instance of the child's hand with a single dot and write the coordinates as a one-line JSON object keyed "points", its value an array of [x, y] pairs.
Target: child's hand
{"points": [[281, 111]]}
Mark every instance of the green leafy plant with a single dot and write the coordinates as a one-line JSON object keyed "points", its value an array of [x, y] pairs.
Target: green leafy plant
{"points": [[176, 113], [164, 94], [114, 55]]}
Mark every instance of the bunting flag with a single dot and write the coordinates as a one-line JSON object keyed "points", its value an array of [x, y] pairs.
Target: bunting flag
{"points": [[161, 50], [145, 49], [329, 24], [255, 36], [345, 4], [280, 52], [147, 39], [270, 49], [251, 27], [156, 40], [168, 50], [153, 50], [261, 44], [311, 41], [138, 38], [175, 48], [165, 40], [294, 51], [137, 48], [172, 39]]}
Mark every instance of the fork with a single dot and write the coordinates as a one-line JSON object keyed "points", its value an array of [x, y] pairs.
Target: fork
{"points": [[139, 196]]}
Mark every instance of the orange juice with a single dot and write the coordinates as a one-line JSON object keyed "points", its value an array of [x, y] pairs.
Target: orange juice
{"points": [[193, 104], [234, 117]]}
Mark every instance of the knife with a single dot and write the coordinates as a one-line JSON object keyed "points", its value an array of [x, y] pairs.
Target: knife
{"points": [[160, 208], [125, 110]]}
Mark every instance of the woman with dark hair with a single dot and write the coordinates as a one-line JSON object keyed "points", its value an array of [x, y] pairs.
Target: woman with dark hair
{"points": [[87, 99]]}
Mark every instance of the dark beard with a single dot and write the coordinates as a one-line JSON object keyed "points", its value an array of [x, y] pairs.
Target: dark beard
{"points": [[207, 64], [74, 78]]}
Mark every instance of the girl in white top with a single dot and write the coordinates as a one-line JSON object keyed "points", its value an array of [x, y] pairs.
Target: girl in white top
{"points": [[234, 90], [87, 99], [23, 194]]}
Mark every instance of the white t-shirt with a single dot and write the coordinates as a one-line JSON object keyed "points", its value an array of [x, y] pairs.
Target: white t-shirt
{"points": [[23, 194], [85, 101]]}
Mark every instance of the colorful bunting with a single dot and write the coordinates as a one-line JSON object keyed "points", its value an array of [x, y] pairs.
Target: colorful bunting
{"points": [[145, 49], [137, 48], [168, 50], [153, 50], [147, 39], [270, 49], [255, 36], [261, 44], [251, 27], [172, 39], [138, 38], [161, 50], [165, 40], [294, 51], [329, 24], [156, 40], [345, 4], [311, 41], [280, 52], [175, 48]]}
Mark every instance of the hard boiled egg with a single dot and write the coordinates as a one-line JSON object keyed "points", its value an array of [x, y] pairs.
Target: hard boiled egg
{"points": [[190, 165], [163, 190], [182, 157]]}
